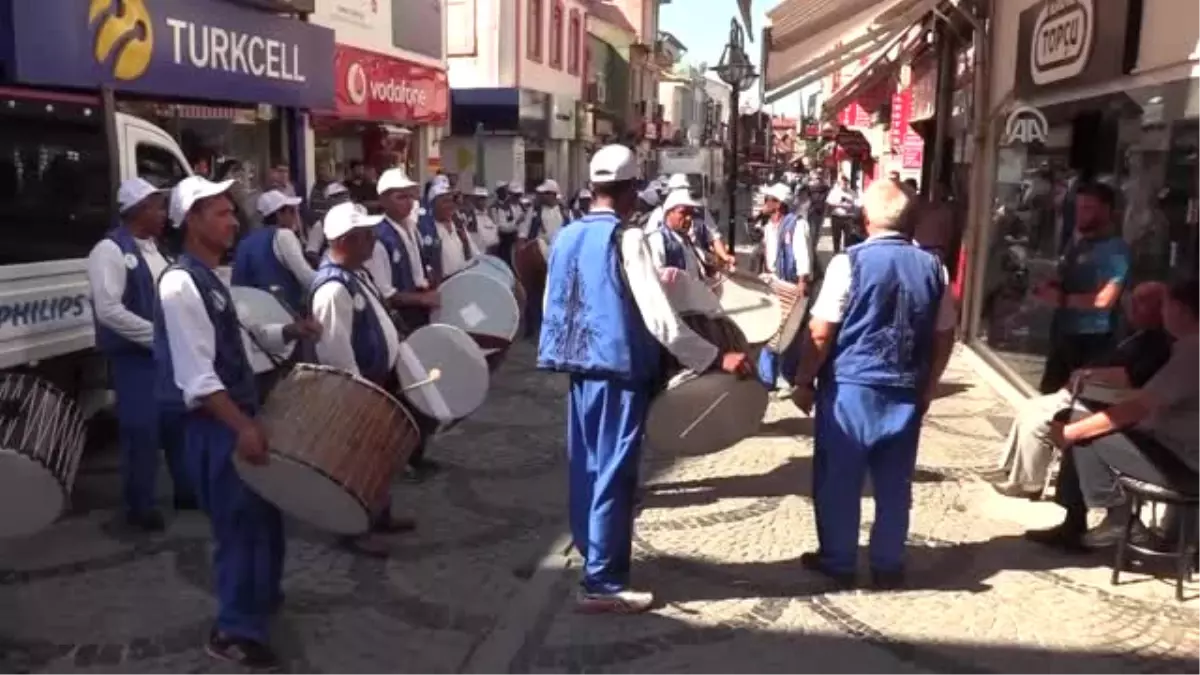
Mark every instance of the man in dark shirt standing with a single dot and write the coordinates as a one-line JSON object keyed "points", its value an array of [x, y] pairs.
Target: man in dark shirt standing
{"points": [[1092, 274], [1027, 452]]}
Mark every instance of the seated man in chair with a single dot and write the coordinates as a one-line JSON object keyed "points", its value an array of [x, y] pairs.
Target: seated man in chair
{"points": [[1027, 452], [1152, 436]]}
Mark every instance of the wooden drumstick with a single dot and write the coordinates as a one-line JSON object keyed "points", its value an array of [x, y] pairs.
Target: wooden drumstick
{"points": [[435, 374]]}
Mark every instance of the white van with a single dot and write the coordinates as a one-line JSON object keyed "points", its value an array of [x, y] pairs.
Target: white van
{"points": [[61, 158]]}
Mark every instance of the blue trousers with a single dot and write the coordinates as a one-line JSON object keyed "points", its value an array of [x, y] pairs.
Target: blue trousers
{"points": [[144, 431], [605, 426], [772, 365], [248, 558], [860, 428]]}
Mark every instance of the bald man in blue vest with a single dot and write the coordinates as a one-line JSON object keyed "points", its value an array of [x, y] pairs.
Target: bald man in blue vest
{"points": [[880, 337]]}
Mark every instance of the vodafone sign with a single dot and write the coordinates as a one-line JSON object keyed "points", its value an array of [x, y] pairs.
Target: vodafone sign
{"points": [[379, 88]]}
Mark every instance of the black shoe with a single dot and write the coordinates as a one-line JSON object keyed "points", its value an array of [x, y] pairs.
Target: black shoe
{"points": [[428, 466], [812, 561], [1109, 532], [887, 581], [1062, 537], [186, 503], [151, 521], [393, 525], [247, 653]]}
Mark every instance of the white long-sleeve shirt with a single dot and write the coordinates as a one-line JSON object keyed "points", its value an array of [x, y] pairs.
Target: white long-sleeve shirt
{"points": [[454, 256], [487, 233], [798, 245], [334, 307], [691, 350], [552, 223], [380, 264], [290, 254], [107, 270], [831, 302], [191, 336]]}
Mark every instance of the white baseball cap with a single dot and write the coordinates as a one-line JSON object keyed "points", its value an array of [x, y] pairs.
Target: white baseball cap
{"points": [[679, 198], [272, 200], [394, 179], [480, 191], [440, 188], [191, 190], [779, 192], [585, 194], [678, 181], [345, 217], [548, 186], [649, 195], [516, 188], [501, 184], [613, 163], [134, 191], [334, 189]]}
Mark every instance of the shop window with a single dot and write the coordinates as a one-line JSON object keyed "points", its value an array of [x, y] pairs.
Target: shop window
{"points": [[158, 166], [533, 41], [556, 35], [54, 191], [461, 40], [1143, 144], [574, 42]]}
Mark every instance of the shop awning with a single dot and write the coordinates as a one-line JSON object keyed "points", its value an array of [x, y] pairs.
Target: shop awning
{"points": [[808, 38], [869, 85]]}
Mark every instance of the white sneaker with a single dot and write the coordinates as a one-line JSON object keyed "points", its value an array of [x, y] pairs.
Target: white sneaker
{"points": [[621, 602]]}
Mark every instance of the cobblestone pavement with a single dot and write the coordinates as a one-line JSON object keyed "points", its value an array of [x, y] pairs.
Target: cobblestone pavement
{"points": [[482, 586]]}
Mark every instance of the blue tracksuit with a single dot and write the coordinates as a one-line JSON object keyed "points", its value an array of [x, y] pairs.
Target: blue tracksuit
{"points": [[143, 429], [770, 364], [248, 558], [868, 402], [593, 330]]}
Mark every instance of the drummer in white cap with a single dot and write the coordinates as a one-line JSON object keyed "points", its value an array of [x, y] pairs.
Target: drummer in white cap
{"points": [[612, 349], [358, 334], [122, 271], [446, 244], [702, 231], [479, 221], [270, 257], [335, 193], [583, 204], [509, 216], [203, 369], [548, 215], [671, 244], [786, 260], [399, 271]]}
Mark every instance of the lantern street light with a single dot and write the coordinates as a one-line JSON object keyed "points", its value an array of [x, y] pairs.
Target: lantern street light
{"points": [[735, 70]]}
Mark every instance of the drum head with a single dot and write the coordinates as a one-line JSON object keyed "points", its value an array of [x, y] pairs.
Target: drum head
{"points": [[442, 372], [490, 263], [702, 414], [31, 498], [479, 305], [752, 305], [689, 295], [256, 307], [791, 326], [306, 493]]}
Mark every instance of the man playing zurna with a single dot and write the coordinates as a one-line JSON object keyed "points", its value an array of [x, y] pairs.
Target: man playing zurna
{"points": [[607, 320]]}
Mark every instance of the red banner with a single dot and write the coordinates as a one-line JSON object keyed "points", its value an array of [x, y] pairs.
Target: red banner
{"points": [[380, 88]]}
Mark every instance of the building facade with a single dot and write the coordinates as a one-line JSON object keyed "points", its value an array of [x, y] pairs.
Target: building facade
{"points": [[516, 70], [392, 92]]}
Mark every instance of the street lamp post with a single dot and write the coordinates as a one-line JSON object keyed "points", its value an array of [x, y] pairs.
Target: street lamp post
{"points": [[735, 70]]}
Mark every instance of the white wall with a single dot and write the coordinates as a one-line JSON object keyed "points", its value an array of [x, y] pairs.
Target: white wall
{"points": [[1170, 34], [368, 25], [540, 76], [481, 55]]}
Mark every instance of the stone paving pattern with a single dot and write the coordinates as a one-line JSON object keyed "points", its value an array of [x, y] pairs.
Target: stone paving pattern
{"points": [[718, 541]]}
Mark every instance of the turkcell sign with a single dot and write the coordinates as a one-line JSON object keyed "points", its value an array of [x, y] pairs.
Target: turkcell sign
{"points": [[196, 49]]}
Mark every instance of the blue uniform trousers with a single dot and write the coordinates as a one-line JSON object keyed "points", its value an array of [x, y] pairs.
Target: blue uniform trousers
{"points": [[248, 531], [772, 365], [605, 426], [860, 428], [144, 431]]}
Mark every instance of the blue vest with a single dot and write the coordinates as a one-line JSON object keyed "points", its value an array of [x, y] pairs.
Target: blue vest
{"points": [[139, 296], [230, 363], [700, 233], [673, 253], [891, 315], [591, 325], [255, 264], [430, 245], [366, 334], [536, 226], [403, 278], [785, 257]]}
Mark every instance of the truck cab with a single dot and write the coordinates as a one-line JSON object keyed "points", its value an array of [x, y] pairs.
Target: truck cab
{"points": [[61, 157]]}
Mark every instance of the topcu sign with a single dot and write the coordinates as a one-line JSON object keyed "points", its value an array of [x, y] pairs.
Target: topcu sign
{"points": [[1062, 40]]}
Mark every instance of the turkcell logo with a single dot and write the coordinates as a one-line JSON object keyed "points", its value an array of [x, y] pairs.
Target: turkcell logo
{"points": [[40, 314]]}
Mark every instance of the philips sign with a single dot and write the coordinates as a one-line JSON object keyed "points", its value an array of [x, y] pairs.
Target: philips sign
{"points": [[1062, 40]]}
